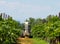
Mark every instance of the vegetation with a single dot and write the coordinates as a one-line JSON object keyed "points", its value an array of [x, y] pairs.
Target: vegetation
{"points": [[39, 41], [9, 31], [46, 29]]}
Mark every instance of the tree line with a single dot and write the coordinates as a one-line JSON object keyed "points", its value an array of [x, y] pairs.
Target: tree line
{"points": [[47, 29]]}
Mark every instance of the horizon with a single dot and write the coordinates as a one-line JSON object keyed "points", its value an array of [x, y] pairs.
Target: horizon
{"points": [[21, 10]]}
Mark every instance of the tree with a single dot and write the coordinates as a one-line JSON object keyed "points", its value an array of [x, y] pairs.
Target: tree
{"points": [[9, 31]]}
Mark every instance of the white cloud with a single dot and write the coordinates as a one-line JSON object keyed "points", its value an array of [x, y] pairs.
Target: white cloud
{"points": [[35, 8], [9, 5], [21, 10], [23, 7], [2, 2]]}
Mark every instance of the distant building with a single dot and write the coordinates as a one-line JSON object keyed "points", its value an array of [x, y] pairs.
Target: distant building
{"points": [[27, 29], [59, 14], [4, 16]]}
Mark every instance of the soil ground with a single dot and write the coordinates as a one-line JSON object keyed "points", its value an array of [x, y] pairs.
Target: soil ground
{"points": [[25, 40]]}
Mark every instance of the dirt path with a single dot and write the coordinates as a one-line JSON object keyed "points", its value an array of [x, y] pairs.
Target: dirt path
{"points": [[24, 40]]}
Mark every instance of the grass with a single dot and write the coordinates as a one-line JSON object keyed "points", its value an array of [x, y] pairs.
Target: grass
{"points": [[38, 41]]}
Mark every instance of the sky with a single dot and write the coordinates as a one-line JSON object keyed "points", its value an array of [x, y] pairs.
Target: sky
{"points": [[21, 10]]}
